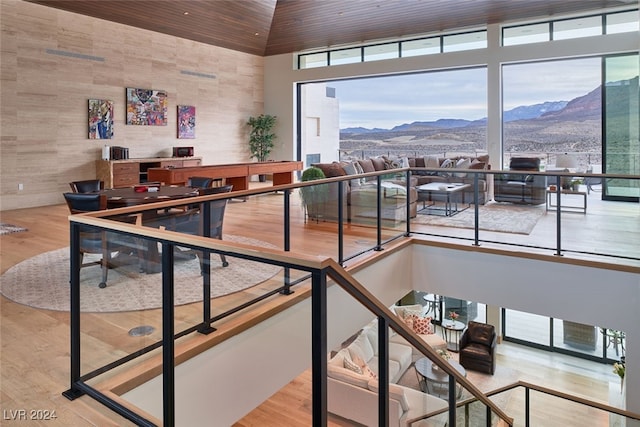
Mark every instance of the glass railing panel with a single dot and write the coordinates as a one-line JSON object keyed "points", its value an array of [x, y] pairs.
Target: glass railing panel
{"points": [[129, 303]]}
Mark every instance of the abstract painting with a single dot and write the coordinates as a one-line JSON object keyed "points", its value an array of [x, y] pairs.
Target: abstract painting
{"points": [[100, 119], [186, 122], [146, 107]]}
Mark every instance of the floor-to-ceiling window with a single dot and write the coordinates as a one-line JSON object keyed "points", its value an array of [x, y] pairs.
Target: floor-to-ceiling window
{"points": [[621, 118], [563, 336], [402, 115], [551, 108]]}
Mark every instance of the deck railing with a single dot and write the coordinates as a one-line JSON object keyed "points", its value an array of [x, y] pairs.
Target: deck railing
{"points": [[297, 269]]}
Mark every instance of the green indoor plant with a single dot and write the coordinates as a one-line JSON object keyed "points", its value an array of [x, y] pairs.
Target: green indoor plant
{"points": [[313, 196], [261, 137]]}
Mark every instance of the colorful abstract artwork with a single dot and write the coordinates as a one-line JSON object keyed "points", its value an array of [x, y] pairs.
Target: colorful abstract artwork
{"points": [[100, 119], [186, 122], [146, 107]]}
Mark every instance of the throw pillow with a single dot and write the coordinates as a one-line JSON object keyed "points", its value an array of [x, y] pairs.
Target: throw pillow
{"points": [[350, 365], [484, 158], [423, 326], [378, 163], [447, 163], [431, 162], [350, 169], [366, 370], [409, 320], [462, 164], [362, 348], [407, 310], [359, 170], [478, 165], [366, 165]]}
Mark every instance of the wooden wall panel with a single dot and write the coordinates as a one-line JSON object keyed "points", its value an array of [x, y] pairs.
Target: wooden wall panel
{"points": [[44, 104]]}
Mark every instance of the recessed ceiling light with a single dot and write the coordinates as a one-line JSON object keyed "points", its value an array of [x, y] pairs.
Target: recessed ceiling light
{"points": [[256, 34], [185, 13]]}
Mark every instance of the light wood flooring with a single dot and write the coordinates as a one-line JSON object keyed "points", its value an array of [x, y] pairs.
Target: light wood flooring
{"points": [[35, 343]]}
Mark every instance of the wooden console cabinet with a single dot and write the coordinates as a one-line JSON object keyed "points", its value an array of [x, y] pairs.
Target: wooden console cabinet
{"points": [[236, 174], [125, 173]]}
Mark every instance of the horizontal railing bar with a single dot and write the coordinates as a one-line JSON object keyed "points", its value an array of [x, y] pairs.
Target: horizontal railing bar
{"points": [[541, 389], [580, 400]]}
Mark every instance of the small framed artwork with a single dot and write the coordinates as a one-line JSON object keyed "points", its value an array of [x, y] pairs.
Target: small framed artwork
{"points": [[100, 119], [146, 107], [186, 122]]}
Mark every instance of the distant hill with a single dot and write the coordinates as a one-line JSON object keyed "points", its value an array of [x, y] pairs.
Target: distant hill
{"points": [[533, 111], [518, 113], [360, 130], [587, 107], [440, 124]]}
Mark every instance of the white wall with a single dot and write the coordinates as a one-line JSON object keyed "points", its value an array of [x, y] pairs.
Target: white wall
{"points": [[320, 124], [232, 378]]}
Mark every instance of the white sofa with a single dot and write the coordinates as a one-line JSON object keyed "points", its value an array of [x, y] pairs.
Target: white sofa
{"points": [[354, 396], [434, 340]]}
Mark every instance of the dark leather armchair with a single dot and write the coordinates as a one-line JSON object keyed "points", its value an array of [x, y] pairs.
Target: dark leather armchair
{"points": [[194, 222], [521, 187], [478, 348]]}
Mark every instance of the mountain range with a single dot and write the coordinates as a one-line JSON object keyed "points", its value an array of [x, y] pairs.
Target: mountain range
{"points": [[580, 108]]}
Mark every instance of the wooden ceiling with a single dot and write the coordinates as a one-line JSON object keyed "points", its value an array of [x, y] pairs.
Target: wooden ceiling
{"points": [[271, 27]]}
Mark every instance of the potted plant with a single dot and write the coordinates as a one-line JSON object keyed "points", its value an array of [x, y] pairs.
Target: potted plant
{"points": [[575, 184], [261, 137], [313, 196]]}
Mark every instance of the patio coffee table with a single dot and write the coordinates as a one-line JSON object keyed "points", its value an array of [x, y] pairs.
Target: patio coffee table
{"points": [[453, 195]]}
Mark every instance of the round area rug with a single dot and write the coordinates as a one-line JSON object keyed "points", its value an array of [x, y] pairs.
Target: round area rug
{"points": [[43, 281]]}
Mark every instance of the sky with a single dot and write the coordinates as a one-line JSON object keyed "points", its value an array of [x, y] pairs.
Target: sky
{"points": [[385, 102]]}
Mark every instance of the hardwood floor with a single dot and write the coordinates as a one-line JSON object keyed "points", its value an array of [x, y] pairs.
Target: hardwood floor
{"points": [[35, 343]]}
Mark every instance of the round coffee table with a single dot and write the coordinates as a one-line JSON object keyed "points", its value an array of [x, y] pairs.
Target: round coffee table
{"points": [[436, 381], [451, 330]]}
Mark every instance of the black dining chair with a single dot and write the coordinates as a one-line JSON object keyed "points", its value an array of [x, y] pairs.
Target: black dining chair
{"points": [[199, 182], [97, 242], [87, 186], [192, 221]]}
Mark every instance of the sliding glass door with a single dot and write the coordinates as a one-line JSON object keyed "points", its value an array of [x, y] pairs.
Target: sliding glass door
{"points": [[576, 339], [621, 126]]}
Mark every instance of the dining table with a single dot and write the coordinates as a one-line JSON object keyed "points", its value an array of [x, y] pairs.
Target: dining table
{"points": [[150, 261], [121, 197]]}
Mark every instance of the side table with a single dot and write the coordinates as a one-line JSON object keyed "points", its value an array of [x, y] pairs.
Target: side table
{"points": [[566, 208], [451, 330]]}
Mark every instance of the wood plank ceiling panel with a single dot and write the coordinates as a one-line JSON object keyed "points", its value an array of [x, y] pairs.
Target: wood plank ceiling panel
{"points": [[271, 27], [238, 25], [300, 25]]}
